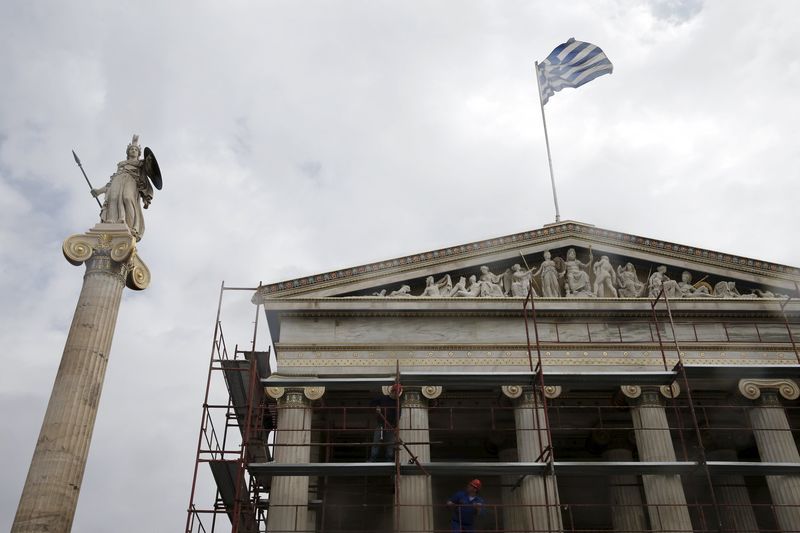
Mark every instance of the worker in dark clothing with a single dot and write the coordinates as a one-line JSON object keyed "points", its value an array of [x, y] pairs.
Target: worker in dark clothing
{"points": [[386, 417], [466, 506]]}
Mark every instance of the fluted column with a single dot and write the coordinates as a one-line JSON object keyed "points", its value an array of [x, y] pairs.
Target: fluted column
{"points": [[736, 510], [775, 443], [666, 501], [538, 493], [625, 494], [513, 521], [51, 490], [415, 496], [288, 497]]}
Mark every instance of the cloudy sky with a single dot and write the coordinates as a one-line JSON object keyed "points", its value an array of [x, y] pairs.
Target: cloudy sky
{"points": [[299, 137]]}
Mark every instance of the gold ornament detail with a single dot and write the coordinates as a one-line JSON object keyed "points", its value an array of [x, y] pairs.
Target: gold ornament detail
{"points": [[552, 391], [670, 391], [313, 393], [138, 274], [512, 391], [77, 249], [631, 391], [275, 392], [431, 392]]}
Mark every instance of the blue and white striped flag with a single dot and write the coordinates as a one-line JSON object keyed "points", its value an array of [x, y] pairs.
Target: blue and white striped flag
{"points": [[571, 65]]}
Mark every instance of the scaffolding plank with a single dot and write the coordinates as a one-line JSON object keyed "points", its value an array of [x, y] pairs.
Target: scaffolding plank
{"points": [[753, 468], [225, 473], [586, 379], [742, 371], [562, 468]]}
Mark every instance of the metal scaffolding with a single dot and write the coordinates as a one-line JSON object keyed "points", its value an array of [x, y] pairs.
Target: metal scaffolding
{"points": [[348, 493]]}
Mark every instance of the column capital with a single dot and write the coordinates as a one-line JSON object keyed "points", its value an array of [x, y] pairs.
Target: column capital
{"points": [[295, 395], [516, 391], [752, 388], [431, 392], [635, 391], [413, 397], [108, 248]]}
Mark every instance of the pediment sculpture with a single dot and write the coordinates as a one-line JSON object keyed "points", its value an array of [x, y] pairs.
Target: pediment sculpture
{"points": [[570, 277]]}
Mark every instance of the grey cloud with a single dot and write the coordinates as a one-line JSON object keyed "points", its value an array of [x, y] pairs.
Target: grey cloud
{"points": [[298, 138]]}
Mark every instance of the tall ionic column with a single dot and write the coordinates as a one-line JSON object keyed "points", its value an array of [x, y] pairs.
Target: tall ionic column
{"points": [[666, 501], [538, 495], [775, 443], [513, 521], [415, 496], [625, 495], [288, 497], [51, 490]]}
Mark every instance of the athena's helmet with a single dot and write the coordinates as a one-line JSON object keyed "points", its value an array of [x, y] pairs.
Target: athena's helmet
{"points": [[133, 144]]}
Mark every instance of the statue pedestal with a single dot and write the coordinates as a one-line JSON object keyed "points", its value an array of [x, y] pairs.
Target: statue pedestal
{"points": [[54, 479]]}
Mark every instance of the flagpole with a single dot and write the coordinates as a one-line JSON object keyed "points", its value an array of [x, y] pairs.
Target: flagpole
{"points": [[547, 141]]}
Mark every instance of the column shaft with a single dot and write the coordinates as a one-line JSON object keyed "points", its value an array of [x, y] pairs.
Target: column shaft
{"points": [[538, 494], [288, 498], [776, 445], [513, 519], [736, 510], [415, 496], [666, 501], [51, 490], [627, 511]]}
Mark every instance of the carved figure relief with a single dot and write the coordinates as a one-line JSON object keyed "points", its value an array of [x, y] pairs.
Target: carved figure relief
{"points": [[604, 278], [549, 272], [629, 284], [490, 284], [591, 279], [577, 284]]}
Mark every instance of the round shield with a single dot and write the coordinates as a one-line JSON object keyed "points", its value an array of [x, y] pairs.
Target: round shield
{"points": [[151, 168]]}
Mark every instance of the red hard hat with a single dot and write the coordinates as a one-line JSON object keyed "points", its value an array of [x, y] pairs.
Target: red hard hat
{"points": [[396, 389], [475, 483]]}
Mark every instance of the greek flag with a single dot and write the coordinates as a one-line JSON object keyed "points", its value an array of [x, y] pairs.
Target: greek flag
{"points": [[571, 65]]}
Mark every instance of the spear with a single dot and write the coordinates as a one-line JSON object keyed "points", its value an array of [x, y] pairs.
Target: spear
{"points": [[86, 178]]}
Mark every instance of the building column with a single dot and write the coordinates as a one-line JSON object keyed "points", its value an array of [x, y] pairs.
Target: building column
{"points": [[541, 509], [512, 519], [776, 443], [415, 496], [736, 510], [51, 490], [666, 501], [288, 497], [625, 494]]}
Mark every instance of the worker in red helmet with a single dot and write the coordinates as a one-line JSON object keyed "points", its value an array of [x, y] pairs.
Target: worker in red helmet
{"points": [[386, 416], [466, 506]]}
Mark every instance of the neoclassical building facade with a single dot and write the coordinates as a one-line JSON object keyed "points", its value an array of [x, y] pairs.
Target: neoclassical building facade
{"points": [[646, 386]]}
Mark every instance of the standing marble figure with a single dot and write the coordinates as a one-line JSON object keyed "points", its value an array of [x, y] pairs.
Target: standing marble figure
{"points": [[50, 495], [127, 185]]}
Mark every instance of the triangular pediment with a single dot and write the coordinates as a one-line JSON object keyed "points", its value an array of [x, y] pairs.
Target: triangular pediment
{"points": [[630, 269]]}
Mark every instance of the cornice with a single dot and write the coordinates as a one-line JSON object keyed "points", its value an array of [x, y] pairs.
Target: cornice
{"points": [[544, 347], [548, 234]]}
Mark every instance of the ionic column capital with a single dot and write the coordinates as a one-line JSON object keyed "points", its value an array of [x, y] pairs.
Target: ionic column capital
{"points": [[752, 388], [413, 397], [110, 249], [431, 392], [295, 396], [635, 391], [516, 391]]}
